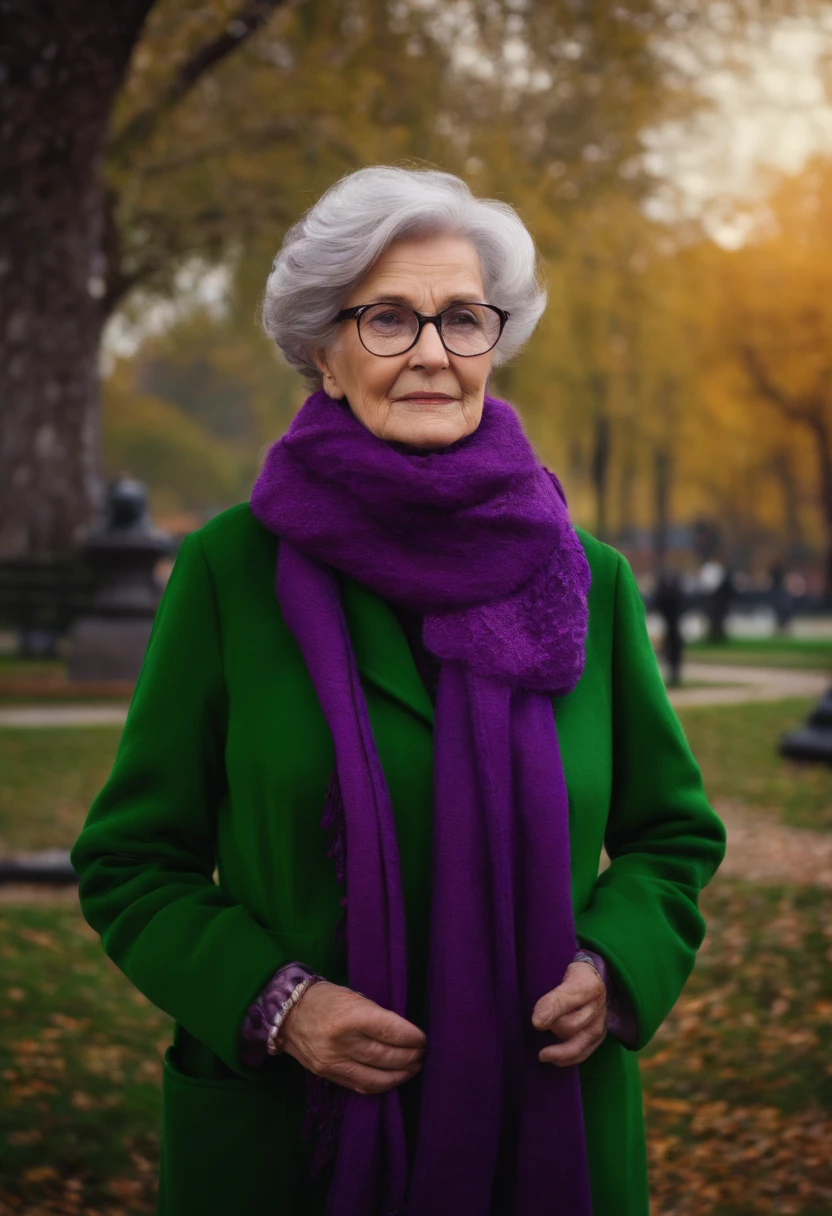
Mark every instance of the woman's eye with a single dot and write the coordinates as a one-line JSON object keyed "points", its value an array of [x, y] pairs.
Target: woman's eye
{"points": [[462, 320], [386, 319]]}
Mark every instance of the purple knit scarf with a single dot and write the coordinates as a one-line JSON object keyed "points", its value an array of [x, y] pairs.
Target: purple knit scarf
{"points": [[477, 537]]}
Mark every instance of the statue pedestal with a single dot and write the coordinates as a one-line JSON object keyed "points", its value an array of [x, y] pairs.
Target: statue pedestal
{"points": [[107, 648], [110, 641], [812, 741]]}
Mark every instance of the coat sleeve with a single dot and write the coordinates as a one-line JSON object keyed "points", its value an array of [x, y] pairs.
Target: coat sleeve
{"points": [[146, 855], [663, 839]]}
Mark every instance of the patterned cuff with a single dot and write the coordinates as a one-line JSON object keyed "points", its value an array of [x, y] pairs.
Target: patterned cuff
{"points": [[258, 1020], [621, 1019]]}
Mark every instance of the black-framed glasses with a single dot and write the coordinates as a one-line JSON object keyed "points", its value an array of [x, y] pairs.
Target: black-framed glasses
{"points": [[388, 329]]}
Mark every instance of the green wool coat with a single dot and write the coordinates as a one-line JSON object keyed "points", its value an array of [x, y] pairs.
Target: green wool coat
{"points": [[203, 866]]}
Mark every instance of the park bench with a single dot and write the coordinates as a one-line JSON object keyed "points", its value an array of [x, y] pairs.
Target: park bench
{"points": [[40, 598]]}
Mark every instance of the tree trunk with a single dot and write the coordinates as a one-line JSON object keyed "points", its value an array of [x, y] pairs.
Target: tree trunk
{"points": [[64, 62], [600, 474], [662, 470], [601, 441], [627, 480], [823, 443], [783, 468]]}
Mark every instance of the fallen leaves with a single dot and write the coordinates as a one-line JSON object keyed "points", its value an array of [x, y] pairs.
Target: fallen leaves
{"points": [[744, 1157], [21, 1139], [63, 1022], [149, 1070], [40, 938], [737, 1097], [83, 1101], [80, 1074], [17, 1093], [39, 1174], [737, 1083], [675, 1105], [105, 1061], [129, 1189]]}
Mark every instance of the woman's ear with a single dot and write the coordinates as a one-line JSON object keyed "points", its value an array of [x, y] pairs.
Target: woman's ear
{"points": [[331, 385]]}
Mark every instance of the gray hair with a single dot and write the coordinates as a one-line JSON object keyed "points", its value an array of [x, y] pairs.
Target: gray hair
{"points": [[338, 240]]}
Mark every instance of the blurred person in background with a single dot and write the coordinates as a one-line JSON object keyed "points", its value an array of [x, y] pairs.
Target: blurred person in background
{"points": [[390, 712], [719, 601], [781, 600], [670, 601]]}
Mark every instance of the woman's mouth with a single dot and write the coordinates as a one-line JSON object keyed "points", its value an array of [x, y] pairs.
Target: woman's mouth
{"points": [[427, 398]]}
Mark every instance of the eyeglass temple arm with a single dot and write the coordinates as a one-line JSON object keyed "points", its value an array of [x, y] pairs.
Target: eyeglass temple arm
{"points": [[347, 314]]}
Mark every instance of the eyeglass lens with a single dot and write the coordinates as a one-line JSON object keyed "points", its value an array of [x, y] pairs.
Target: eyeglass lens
{"points": [[467, 329]]}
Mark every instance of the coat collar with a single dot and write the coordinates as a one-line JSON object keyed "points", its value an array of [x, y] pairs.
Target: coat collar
{"points": [[381, 649]]}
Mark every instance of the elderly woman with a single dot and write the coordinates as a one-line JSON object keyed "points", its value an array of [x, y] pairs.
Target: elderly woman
{"points": [[389, 713]]}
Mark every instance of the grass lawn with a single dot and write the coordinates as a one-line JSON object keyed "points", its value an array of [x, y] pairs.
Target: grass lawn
{"points": [[45, 682], [80, 1058], [736, 749], [738, 1080], [814, 654], [12, 666], [94, 696], [48, 778], [686, 683]]}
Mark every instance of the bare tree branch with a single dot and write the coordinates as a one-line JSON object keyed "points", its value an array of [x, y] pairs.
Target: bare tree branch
{"points": [[171, 244], [249, 18], [251, 140], [804, 410]]}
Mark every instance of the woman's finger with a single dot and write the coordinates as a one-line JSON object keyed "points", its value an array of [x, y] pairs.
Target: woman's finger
{"points": [[381, 1024], [581, 985], [366, 1080], [569, 1024], [576, 1049], [382, 1055]]}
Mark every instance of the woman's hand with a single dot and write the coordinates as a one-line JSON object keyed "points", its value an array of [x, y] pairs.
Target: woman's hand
{"points": [[341, 1035], [576, 1011]]}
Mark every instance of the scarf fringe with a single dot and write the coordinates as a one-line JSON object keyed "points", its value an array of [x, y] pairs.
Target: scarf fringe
{"points": [[325, 1099], [324, 1108], [333, 822]]}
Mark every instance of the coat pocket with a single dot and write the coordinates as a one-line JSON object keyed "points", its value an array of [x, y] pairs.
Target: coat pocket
{"points": [[231, 1145]]}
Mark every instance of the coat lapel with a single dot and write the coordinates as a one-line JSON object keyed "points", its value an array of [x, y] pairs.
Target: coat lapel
{"points": [[382, 652]]}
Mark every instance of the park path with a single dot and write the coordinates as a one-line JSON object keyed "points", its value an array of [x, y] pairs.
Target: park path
{"points": [[760, 849], [738, 685], [743, 684], [39, 716]]}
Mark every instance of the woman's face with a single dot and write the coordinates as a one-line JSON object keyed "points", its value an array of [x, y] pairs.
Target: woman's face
{"points": [[426, 397]]}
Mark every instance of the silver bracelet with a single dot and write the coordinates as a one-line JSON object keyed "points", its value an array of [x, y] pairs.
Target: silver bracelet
{"points": [[582, 957], [273, 1045]]}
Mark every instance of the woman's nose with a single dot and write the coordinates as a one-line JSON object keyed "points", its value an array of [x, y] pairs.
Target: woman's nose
{"points": [[429, 351]]}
